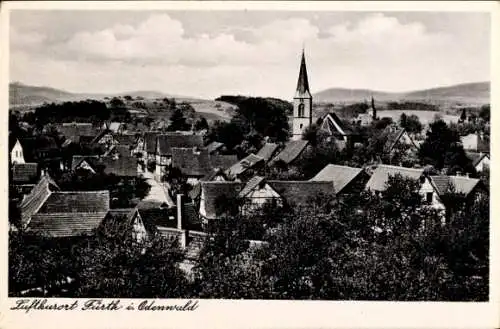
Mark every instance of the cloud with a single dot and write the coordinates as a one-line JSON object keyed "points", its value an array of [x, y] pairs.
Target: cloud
{"points": [[377, 51]]}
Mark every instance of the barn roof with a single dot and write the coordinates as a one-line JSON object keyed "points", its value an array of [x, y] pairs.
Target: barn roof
{"points": [[300, 192], [76, 201], [191, 162], [267, 151], [341, 176], [168, 141], [125, 166], [457, 184], [244, 164], [380, 176], [291, 151], [74, 130], [222, 161]]}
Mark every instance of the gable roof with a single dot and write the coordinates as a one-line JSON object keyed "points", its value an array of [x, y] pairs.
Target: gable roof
{"points": [[380, 176], [76, 160], [125, 139], [70, 213], [32, 202], [74, 130], [121, 150], [168, 141], [244, 164], [291, 151], [333, 125], [267, 151], [191, 162], [300, 192], [341, 176], [214, 146], [76, 201], [250, 185], [212, 191], [476, 157], [24, 173], [458, 184]]}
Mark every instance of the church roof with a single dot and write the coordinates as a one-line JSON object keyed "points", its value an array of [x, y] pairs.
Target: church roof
{"points": [[303, 82]]}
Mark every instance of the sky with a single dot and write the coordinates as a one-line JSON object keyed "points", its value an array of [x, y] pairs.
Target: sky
{"points": [[210, 53]]}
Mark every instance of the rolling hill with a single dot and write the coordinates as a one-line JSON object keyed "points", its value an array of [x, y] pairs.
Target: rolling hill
{"points": [[470, 93]]}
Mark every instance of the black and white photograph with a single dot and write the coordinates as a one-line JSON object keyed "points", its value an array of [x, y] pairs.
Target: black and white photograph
{"points": [[249, 154]]}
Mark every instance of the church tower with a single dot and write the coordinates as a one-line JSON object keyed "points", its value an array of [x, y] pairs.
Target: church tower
{"points": [[302, 103]]}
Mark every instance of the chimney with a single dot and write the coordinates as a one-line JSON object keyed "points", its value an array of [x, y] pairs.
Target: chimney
{"points": [[179, 211], [467, 174], [458, 173]]}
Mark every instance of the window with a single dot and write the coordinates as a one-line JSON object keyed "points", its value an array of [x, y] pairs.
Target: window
{"points": [[428, 197], [301, 125], [301, 110]]}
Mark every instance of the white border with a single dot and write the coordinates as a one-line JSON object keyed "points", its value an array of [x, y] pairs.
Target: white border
{"points": [[269, 314]]}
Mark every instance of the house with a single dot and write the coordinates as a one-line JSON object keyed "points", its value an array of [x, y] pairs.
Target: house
{"points": [[126, 224], [366, 119], [124, 167], [215, 147], [246, 167], [193, 163], [380, 176], [256, 193], [345, 179], [39, 148], [118, 151], [340, 130], [166, 142], [129, 140], [476, 143], [222, 162], [16, 151], [480, 161], [83, 162], [300, 193], [150, 139], [212, 193], [292, 151], [73, 131], [267, 151], [399, 139], [115, 127]]}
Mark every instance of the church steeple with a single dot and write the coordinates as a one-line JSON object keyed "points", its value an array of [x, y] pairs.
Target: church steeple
{"points": [[303, 82]]}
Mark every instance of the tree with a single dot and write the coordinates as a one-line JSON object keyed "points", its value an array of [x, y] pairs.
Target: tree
{"points": [[117, 103], [485, 113], [463, 116], [201, 124], [410, 123], [442, 148], [178, 122]]}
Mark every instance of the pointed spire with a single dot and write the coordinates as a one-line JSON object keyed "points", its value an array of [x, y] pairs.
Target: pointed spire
{"points": [[303, 82]]}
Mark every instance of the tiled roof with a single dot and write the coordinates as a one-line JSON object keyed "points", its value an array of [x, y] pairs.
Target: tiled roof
{"points": [[74, 130], [300, 192], [121, 150], [267, 151], [291, 151], [458, 184], [222, 161], [168, 141], [329, 120], [244, 164], [76, 201], [341, 176], [212, 191], [158, 217], [123, 166], [32, 202], [380, 176], [476, 157], [33, 144], [77, 159], [214, 146], [250, 185], [66, 224], [392, 139], [191, 162], [24, 173]]}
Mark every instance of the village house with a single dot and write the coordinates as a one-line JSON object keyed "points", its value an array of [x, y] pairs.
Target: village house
{"points": [[115, 127], [47, 211], [73, 131], [246, 168], [475, 143], [339, 130], [123, 167], [213, 192], [256, 193], [366, 119], [267, 151], [480, 160], [346, 180], [399, 141], [164, 145], [216, 147], [301, 193], [126, 223], [290, 153]]}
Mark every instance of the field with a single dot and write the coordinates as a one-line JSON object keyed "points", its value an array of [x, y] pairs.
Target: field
{"points": [[425, 116]]}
